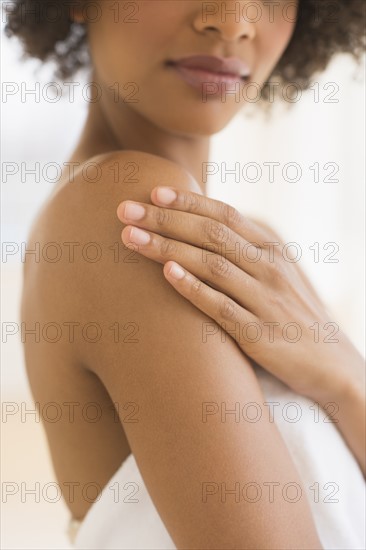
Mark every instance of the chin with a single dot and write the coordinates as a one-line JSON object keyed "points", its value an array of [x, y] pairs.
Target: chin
{"points": [[192, 121], [201, 128]]}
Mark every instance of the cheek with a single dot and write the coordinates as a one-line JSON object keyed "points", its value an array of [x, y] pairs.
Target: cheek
{"points": [[274, 39], [129, 40], [285, 26]]}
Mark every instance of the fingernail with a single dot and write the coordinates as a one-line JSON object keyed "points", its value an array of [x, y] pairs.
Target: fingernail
{"points": [[138, 236], [176, 272], [165, 195], [133, 211]]}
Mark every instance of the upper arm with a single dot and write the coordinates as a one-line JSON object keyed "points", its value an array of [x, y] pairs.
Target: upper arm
{"points": [[191, 449]]}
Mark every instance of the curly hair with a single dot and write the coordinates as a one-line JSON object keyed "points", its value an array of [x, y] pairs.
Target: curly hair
{"points": [[323, 28]]}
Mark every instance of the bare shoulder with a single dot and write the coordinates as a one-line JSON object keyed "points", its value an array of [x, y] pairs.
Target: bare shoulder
{"points": [[85, 200], [81, 262], [168, 369], [102, 182], [126, 173], [76, 235]]}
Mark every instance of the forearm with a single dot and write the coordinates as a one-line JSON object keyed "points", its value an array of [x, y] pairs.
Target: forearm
{"points": [[348, 393], [351, 422]]}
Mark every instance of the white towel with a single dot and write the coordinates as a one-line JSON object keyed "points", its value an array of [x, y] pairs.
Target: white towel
{"points": [[331, 477]]}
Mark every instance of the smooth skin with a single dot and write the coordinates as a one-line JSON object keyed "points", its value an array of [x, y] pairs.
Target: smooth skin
{"points": [[250, 284], [143, 104], [163, 379], [169, 372]]}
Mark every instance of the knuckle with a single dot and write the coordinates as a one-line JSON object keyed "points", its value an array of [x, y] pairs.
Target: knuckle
{"points": [[163, 216], [215, 231], [230, 215], [272, 250], [227, 308], [277, 273], [276, 302], [190, 202], [196, 286], [219, 266], [168, 248]]}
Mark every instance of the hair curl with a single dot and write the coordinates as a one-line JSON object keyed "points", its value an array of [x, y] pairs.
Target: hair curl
{"points": [[323, 28]]}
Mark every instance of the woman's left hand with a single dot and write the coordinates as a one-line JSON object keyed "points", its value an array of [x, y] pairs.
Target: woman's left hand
{"points": [[239, 273]]}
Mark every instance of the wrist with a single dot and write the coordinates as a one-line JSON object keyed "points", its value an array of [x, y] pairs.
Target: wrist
{"points": [[341, 374], [345, 383]]}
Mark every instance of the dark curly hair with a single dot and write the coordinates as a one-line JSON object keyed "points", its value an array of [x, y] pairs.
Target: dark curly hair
{"points": [[323, 28]]}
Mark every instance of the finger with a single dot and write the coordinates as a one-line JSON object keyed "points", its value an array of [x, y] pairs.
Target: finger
{"points": [[229, 315], [188, 201], [206, 233], [217, 271]]}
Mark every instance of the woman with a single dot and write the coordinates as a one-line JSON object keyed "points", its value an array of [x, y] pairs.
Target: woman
{"points": [[166, 437]]}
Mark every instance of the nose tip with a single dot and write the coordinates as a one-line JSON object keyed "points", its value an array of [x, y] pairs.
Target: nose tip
{"points": [[228, 22], [229, 34]]}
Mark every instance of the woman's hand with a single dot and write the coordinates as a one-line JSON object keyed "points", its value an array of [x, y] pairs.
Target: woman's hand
{"points": [[243, 276]]}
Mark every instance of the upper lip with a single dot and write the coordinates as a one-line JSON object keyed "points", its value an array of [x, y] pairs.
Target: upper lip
{"points": [[222, 65]]}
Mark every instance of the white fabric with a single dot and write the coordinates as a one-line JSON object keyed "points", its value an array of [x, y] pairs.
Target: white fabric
{"points": [[317, 449]]}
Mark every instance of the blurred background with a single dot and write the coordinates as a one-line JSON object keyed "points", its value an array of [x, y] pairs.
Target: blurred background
{"points": [[315, 199]]}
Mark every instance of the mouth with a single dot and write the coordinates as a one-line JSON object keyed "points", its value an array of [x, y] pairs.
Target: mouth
{"points": [[229, 67], [208, 75], [200, 69]]}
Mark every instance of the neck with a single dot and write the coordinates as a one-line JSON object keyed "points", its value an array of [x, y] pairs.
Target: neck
{"points": [[114, 125]]}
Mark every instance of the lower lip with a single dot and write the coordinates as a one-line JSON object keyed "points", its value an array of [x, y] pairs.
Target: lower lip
{"points": [[198, 77]]}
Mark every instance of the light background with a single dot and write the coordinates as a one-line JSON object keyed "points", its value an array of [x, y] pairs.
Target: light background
{"points": [[305, 212]]}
